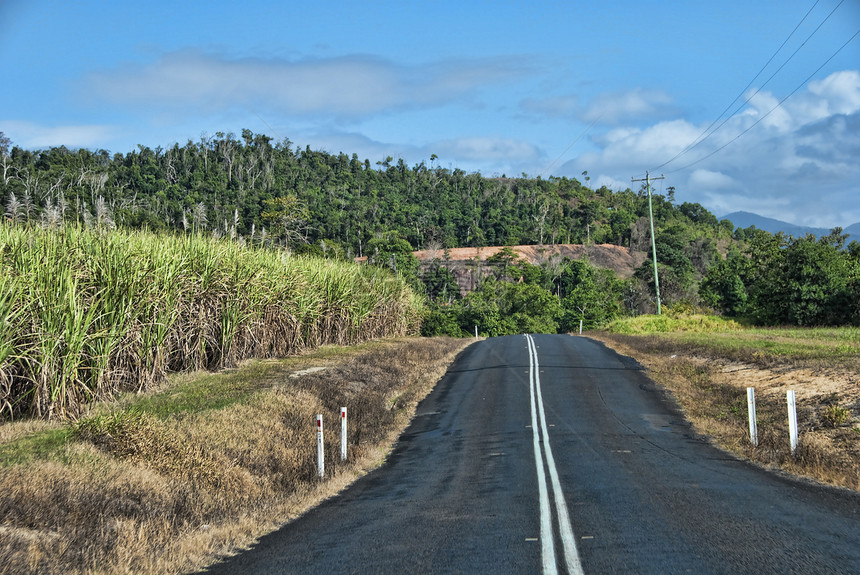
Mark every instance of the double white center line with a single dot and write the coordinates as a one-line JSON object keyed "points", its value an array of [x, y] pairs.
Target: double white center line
{"points": [[542, 449]]}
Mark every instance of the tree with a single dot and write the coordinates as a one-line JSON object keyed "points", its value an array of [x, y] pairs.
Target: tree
{"points": [[723, 287], [390, 250], [287, 217], [439, 283], [502, 261], [816, 282], [530, 308], [591, 295], [5, 158]]}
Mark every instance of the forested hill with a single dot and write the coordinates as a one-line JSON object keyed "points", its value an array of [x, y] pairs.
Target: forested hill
{"points": [[256, 188]]}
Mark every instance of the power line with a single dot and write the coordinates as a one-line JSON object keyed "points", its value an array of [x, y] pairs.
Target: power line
{"points": [[702, 136], [754, 124], [267, 124], [578, 138], [708, 132]]}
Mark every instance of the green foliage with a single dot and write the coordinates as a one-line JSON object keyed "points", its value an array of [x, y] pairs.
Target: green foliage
{"points": [[835, 415], [670, 323], [496, 308], [791, 281], [393, 252], [500, 307], [593, 296], [287, 218], [442, 319], [530, 308], [259, 191], [263, 190], [439, 283], [723, 287], [86, 314]]}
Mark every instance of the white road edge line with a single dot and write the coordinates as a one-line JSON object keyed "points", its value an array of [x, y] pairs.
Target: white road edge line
{"points": [[571, 555]]}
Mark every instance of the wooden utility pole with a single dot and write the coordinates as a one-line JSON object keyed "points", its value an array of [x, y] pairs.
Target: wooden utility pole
{"points": [[647, 181]]}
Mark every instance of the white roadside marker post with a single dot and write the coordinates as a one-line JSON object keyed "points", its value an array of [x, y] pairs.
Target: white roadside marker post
{"points": [[320, 450], [792, 420], [476, 332], [751, 410], [580, 327], [343, 434]]}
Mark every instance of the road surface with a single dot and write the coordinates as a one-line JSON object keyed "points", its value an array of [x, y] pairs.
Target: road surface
{"points": [[553, 454]]}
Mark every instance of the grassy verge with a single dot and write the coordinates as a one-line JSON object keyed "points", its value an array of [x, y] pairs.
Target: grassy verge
{"points": [[169, 481], [709, 370]]}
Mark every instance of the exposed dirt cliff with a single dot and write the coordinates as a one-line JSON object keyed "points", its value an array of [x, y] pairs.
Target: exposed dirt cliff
{"points": [[470, 264]]}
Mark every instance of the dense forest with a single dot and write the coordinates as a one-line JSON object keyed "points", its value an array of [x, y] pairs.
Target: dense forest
{"points": [[253, 189]]}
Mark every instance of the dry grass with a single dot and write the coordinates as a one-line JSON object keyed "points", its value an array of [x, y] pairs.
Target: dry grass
{"points": [[709, 380], [137, 487]]}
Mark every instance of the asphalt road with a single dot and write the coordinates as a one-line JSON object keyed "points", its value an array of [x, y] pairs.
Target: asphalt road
{"points": [[562, 457]]}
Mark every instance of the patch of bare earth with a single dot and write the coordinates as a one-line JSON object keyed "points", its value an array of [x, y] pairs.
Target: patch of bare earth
{"points": [[469, 265], [711, 390], [173, 494]]}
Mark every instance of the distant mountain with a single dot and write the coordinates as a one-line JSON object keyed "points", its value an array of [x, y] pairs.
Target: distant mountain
{"points": [[747, 219]]}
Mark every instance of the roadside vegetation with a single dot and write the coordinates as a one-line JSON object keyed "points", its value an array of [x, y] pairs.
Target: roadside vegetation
{"points": [[86, 313], [518, 297], [168, 481], [707, 363]]}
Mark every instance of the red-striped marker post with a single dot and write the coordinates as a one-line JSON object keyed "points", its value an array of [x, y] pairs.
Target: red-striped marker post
{"points": [[343, 434], [320, 450]]}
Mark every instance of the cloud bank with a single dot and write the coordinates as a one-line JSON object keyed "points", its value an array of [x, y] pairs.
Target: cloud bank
{"points": [[766, 158], [31, 136], [350, 87]]}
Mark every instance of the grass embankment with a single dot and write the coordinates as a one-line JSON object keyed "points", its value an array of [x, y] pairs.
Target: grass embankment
{"points": [[84, 315], [708, 363], [166, 482]]}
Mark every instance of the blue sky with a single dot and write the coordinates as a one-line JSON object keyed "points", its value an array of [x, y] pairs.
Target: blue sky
{"points": [[507, 87]]}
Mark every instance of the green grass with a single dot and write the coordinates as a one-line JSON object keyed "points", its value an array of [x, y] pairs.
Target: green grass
{"points": [[778, 343], [734, 340], [50, 445], [650, 324]]}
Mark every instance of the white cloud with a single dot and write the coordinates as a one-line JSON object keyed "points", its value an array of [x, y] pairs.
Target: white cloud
{"points": [[721, 204], [645, 147], [841, 91], [488, 149], [485, 154], [620, 107], [350, 86], [611, 183], [30, 136], [709, 180], [609, 108], [799, 164], [765, 109]]}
